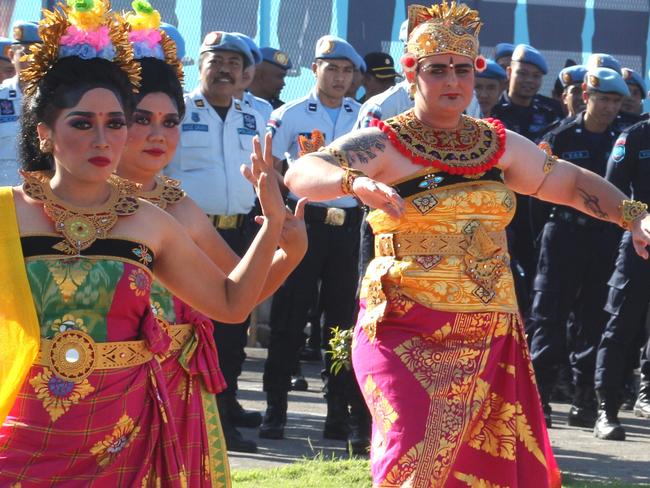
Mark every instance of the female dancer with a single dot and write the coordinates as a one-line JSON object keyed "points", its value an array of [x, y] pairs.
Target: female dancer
{"points": [[151, 143], [439, 349], [86, 398]]}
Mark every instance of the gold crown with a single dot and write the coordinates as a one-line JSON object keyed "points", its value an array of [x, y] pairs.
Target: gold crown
{"points": [[443, 29], [43, 56]]}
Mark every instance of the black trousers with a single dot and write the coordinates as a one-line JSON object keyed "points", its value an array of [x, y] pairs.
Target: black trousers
{"points": [[231, 338], [572, 271], [626, 307], [332, 257]]}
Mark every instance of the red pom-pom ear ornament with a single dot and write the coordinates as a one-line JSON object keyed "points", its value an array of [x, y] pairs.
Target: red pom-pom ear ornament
{"points": [[480, 63], [409, 64]]}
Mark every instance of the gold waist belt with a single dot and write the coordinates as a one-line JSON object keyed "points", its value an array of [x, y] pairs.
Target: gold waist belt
{"points": [[73, 355], [400, 245]]}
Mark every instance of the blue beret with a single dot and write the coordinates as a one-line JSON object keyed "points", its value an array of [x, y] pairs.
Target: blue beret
{"points": [[175, 36], [602, 60], [225, 41], [276, 57], [332, 47], [255, 51], [606, 80], [5, 44], [503, 49], [632, 77], [492, 71], [572, 75], [528, 54], [25, 32]]}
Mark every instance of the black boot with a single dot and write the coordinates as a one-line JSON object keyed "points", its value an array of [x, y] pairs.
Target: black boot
{"points": [[234, 440], [275, 417], [642, 405], [337, 419], [583, 410], [545, 397], [608, 426], [298, 381], [359, 438], [240, 417]]}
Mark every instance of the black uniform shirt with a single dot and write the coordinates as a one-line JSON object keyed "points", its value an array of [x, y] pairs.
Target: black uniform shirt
{"points": [[531, 122], [629, 163]]}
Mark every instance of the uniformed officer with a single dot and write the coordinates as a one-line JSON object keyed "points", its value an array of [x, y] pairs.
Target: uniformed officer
{"points": [[523, 110], [249, 99], [380, 74], [633, 105], [357, 77], [572, 79], [7, 69], [576, 254], [503, 54], [487, 86], [333, 234], [629, 169], [216, 138], [24, 34], [268, 81]]}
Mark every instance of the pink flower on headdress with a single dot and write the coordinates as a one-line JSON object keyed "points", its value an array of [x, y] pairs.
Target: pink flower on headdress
{"points": [[151, 37], [98, 38]]}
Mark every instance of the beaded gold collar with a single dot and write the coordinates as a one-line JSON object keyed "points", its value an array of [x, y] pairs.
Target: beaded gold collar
{"points": [[166, 192], [474, 147], [80, 226]]}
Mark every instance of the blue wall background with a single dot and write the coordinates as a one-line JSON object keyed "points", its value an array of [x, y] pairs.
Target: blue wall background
{"points": [[561, 29]]}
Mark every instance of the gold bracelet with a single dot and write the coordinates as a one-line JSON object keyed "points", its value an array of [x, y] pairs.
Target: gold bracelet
{"points": [[347, 180], [341, 158], [631, 210]]}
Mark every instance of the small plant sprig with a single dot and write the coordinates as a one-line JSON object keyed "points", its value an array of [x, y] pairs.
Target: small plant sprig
{"points": [[340, 349]]}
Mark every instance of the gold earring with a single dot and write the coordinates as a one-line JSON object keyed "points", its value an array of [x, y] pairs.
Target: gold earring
{"points": [[412, 90], [46, 145]]}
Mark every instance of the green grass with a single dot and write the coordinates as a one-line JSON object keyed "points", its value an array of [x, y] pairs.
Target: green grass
{"points": [[344, 473]]}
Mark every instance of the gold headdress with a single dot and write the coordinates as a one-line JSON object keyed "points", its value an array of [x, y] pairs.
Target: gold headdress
{"points": [[443, 29], [148, 39], [83, 28]]}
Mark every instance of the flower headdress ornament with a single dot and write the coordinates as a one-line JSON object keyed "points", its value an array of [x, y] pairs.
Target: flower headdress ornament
{"points": [[83, 28], [446, 28], [148, 39]]}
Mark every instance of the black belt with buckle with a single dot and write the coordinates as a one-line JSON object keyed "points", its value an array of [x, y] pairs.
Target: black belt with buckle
{"points": [[575, 218], [227, 222], [333, 216]]}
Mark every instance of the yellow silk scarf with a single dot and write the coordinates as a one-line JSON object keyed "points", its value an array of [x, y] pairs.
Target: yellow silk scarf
{"points": [[19, 329]]}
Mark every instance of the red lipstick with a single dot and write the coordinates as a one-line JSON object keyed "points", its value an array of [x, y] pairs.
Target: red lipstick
{"points": [[155, 152], [100, 161]]}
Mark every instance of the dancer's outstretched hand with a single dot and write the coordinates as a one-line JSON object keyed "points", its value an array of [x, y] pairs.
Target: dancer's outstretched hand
{"points": [[641, 236], [378, 195]]}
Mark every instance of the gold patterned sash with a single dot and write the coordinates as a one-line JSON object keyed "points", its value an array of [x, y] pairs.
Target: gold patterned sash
{"points": [[74, 355], [400, 245]]}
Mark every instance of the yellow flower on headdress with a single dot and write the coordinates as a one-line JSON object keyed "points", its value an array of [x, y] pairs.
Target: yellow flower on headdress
{"points": [[87, 15], [144, 17]]}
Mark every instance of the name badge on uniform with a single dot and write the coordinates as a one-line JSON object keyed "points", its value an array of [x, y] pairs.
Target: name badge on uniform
{"points": [[645, 154], [249, 122], [194, 127], [347, 108], [245, 131], [199, 103], [312, 107], [7, 107], [571, 155]]}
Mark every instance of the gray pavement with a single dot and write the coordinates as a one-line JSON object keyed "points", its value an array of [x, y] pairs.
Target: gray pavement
{"points": [[577, 451]]}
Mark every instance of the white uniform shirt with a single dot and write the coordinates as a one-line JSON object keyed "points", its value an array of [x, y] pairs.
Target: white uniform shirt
{"points": [[396, 100], [10, 107], [301, 117], [210, 153], [259, 104]]}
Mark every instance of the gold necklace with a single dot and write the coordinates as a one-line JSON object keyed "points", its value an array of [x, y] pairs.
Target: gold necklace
{"points": [[80, 226], [166, 192]]}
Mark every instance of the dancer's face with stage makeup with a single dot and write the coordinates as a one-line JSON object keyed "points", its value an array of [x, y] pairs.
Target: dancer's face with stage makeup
{"points": [[89, 137], [445, 84], [153, 137]]}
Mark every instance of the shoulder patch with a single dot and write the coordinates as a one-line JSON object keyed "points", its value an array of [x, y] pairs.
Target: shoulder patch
{"points": [[618, 153]]}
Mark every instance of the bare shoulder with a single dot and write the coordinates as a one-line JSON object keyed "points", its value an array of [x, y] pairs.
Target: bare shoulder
{"points": [[190, 216], [29, 213]]}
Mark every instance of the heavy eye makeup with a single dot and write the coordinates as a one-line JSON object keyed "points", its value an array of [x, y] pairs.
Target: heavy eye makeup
{"points": [[85, 120], [144, 117]]}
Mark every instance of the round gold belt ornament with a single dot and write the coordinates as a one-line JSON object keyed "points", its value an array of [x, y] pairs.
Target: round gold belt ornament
{"points": [[73, 355]]}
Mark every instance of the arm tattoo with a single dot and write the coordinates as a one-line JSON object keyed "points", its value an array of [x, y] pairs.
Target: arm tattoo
{"points": [[362, 148], [592, 203]]}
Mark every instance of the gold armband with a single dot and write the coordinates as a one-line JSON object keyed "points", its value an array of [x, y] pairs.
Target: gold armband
{"points": [[347, 180], [631, 210], [549, 163]]}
